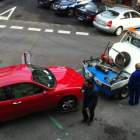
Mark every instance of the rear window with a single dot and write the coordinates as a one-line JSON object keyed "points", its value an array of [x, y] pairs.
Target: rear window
{"points": [[91, 7], [110, 14]]}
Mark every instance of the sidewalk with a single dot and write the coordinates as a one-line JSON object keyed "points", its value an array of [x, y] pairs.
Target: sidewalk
{"points": [[115, 4]]}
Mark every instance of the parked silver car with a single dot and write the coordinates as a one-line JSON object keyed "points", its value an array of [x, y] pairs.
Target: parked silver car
{"points": [[117, 19]]}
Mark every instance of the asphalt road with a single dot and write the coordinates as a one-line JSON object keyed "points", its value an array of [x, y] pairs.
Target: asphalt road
{"points": [[114, 119]]}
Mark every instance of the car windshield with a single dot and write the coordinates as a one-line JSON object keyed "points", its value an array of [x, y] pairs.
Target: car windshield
{"points": [[110, 14], [91, 7], [42, 76], [132, 38], [71, 0]]}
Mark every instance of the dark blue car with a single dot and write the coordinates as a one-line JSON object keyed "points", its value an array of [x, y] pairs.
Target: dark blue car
{"points": [[89, 11], [69, 7]]}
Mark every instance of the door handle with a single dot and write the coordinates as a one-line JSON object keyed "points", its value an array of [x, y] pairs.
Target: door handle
{"points": [[15, 103]]}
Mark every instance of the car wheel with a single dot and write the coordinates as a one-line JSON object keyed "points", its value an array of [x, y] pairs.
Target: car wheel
{"points": [[118, 31], [71, 12], [124, 92], [119, 59], [51, 6], [67, 103]]}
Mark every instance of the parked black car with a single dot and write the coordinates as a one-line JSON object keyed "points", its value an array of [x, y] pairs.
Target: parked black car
{"points": [[89, 11], [68, 7], [46, 3]]}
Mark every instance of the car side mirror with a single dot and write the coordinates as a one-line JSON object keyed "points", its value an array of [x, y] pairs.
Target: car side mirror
{"points": [[78, 1], [45, 92]]}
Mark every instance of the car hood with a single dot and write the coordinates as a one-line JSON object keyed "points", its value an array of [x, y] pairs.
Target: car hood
{"points": [[66, 77], [63, 2]]}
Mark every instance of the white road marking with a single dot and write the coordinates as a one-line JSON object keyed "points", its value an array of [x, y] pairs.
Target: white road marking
{"points": [[63, 32], [49, 30], [34, 29], [16, 27], [2, 26], [82, 33], [7, 17]]}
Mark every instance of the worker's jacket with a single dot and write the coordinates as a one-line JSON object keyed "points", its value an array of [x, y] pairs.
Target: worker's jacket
{"points": [[134, 80], [90, 97]]}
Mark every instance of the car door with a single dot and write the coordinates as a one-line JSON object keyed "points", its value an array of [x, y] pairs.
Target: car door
{"points": [[29, 98], [125, 20], [6, 108], [135, 19]]}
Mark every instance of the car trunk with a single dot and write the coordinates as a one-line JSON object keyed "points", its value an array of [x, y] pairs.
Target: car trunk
{"points": [[102, 20]]}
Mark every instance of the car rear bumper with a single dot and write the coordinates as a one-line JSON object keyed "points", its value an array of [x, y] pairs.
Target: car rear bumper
{"points": [[84, 18], [103, 28]]}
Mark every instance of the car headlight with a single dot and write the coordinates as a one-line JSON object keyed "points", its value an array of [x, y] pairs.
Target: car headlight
{"points": [[63, 7], [73, 5]]}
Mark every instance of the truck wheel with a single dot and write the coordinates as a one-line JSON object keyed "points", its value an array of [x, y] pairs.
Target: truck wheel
{"points": [[71, 12], [67, 103], [119, 59], [118, 31], [124, 92]]}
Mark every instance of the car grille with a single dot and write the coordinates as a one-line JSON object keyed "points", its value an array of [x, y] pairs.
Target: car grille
{"points": [[79, 13], [56, 7]]}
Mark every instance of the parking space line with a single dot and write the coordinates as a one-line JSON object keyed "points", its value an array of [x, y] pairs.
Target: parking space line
{"points": [[79, 70], [16, 27], [53, 119], [2, 26], [49, 30], [34, 29], [63, 32], [82, 33]]}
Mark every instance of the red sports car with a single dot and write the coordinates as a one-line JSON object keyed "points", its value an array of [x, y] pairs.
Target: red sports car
{"points": [[27, 88]]}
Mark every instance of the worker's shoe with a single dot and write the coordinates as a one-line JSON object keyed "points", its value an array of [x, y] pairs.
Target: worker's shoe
{"points": [[83, 121], [89, 123]]}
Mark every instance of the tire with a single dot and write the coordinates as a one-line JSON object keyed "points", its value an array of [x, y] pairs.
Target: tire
{"points": [[51, 6], [118, 31], [67, 103], [124, 92], [119, 59], [71, 12]]}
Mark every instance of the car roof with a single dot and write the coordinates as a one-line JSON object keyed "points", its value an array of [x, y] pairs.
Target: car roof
{"points": [[121, 9], [16, 73]]}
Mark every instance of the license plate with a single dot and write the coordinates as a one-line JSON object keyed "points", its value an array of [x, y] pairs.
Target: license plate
{"points": [[80, 19], [40, 2], [101, 22]]}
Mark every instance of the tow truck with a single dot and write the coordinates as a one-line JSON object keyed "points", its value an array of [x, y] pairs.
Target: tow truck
{"points": [[111, 71]]}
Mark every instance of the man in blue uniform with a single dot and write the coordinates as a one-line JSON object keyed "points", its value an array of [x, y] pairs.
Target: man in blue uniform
{"points": [[134, 86], [89, 101]]}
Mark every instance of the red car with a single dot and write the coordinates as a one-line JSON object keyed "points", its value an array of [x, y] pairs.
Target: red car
{"points": [[27, 88]]}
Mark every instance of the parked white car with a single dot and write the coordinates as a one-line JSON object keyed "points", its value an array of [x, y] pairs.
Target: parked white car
{"points": [[117, 19]]}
